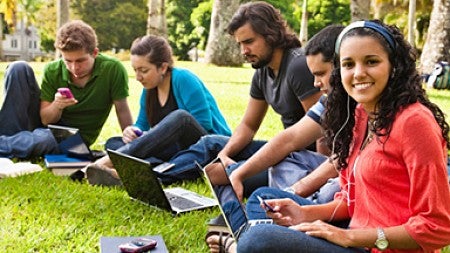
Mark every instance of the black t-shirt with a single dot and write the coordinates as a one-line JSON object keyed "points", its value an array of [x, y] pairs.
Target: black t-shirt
{"points": [[160, 112], [284, 93]]}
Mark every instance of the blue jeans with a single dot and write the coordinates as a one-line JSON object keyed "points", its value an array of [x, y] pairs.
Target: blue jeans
{"points": [[274, 238], [284, 174], [21, 132], [176, 132], [295, 166], [203, 152]]}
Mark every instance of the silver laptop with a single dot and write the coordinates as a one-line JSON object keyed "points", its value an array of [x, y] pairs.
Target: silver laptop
{"points": [[142, 184], [231, 206], [71, 143]]}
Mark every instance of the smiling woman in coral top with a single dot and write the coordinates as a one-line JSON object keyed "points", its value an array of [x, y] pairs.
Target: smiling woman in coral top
{"points": [[378, 121]]}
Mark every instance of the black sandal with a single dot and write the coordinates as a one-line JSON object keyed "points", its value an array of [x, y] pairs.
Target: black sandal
{"points": [[224, 240], [226, 245]]}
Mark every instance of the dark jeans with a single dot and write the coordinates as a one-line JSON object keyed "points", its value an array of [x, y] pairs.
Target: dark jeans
{"points": [[176, 132], [203, 152], [274, 238], [21, 131]]}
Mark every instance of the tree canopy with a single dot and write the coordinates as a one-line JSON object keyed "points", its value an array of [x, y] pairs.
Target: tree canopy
{"points": [[118, 22]]}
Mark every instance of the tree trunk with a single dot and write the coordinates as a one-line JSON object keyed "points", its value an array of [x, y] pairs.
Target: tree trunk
{"points": [[156, 21], [437, 44], [360, 9], [304, 27], [62, 17], [412, 22], [1, 37], [222, 49]]}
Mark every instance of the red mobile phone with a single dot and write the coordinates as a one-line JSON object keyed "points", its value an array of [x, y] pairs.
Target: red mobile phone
{"points": [[138, 245], [65, 92]]}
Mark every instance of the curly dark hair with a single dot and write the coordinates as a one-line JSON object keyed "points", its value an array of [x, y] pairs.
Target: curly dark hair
{"points": [[266, 21], [404, 88]]}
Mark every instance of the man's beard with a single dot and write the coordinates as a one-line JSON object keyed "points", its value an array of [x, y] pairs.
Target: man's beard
{"points": [[265, 59]]}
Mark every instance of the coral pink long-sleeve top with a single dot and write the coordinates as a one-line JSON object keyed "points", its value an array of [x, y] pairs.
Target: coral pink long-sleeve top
{"points": [[401, 182]]}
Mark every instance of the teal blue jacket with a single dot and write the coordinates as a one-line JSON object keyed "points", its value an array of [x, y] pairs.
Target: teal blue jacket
{"points": [[192, 96]]}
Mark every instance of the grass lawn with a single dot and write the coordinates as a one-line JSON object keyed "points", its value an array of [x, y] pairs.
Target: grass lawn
{"points": [[45, 213]]}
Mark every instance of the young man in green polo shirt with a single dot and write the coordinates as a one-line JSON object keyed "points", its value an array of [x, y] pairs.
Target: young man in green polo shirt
{"points": [[96, 81]]}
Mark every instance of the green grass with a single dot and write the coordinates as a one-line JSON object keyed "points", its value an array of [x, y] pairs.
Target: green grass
{"points": [[45, 213]]}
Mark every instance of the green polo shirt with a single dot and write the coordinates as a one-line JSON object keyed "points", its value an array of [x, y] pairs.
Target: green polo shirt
{"points": [[108, 82]]}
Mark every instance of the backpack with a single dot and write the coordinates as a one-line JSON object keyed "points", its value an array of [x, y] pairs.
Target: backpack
{"points": [[440, 78]]}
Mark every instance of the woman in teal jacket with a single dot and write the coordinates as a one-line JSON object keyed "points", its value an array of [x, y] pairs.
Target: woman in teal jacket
{"points": [[176, 109]]}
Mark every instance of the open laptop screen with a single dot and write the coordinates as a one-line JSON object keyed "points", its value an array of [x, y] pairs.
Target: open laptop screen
{"points": [[70, 142], [139, 180], [232, 209]]}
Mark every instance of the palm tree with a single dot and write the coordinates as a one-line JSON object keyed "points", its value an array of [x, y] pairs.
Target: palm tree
{"points": [[437, 44], [156, 20], [221, 48], [360, 9], [304, 23], [62, 17], [412, 22]]}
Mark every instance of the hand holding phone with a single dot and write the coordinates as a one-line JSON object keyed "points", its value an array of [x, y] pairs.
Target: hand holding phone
{"points": [[138, 245], [138, 132], [264, 203], [65, 92]]}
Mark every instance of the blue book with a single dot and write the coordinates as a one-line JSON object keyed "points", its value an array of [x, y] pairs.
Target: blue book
{"points": [[64, 161]]}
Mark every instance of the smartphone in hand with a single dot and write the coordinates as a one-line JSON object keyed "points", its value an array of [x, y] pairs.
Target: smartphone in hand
{"points": [[264, 203], [138, 245], [137, 132], [65, 92]]}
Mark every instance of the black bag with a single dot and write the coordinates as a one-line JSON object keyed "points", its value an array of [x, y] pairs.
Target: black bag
{"points": [[440, 78]]}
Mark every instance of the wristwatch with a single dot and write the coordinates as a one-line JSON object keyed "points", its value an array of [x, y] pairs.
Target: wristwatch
{"points": [[381, 243]]}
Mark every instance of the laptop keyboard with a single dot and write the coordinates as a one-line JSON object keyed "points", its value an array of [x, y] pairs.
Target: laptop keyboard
{"points": [[262, 221], [180, 202]]}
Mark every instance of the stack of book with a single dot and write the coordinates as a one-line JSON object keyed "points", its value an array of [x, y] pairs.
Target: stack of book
{"points": [[64, 165]]}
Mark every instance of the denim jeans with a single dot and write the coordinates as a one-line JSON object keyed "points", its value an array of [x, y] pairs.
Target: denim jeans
{"points": [[176, 132], [21, 132], [274, 238], [284, 174], [203, 152], [294, 167]]}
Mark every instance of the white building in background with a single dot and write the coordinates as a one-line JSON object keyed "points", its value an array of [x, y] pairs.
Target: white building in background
{"points": [[23, 44]]}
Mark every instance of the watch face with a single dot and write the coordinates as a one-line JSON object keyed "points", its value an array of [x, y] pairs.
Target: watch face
{"points": [[382, 244]]}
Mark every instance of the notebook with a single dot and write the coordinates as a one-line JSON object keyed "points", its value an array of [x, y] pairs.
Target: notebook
{"points": [[233, 203], [142, 184], [71, 143], [8, 168]]}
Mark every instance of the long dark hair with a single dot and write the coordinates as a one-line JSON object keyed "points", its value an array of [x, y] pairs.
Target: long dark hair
{"points": [[157, 51], [404, 88], [266, 21]]}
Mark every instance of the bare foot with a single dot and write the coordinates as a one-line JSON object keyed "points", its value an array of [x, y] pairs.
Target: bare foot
{"points": [[215, 242], [105, 162]]}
